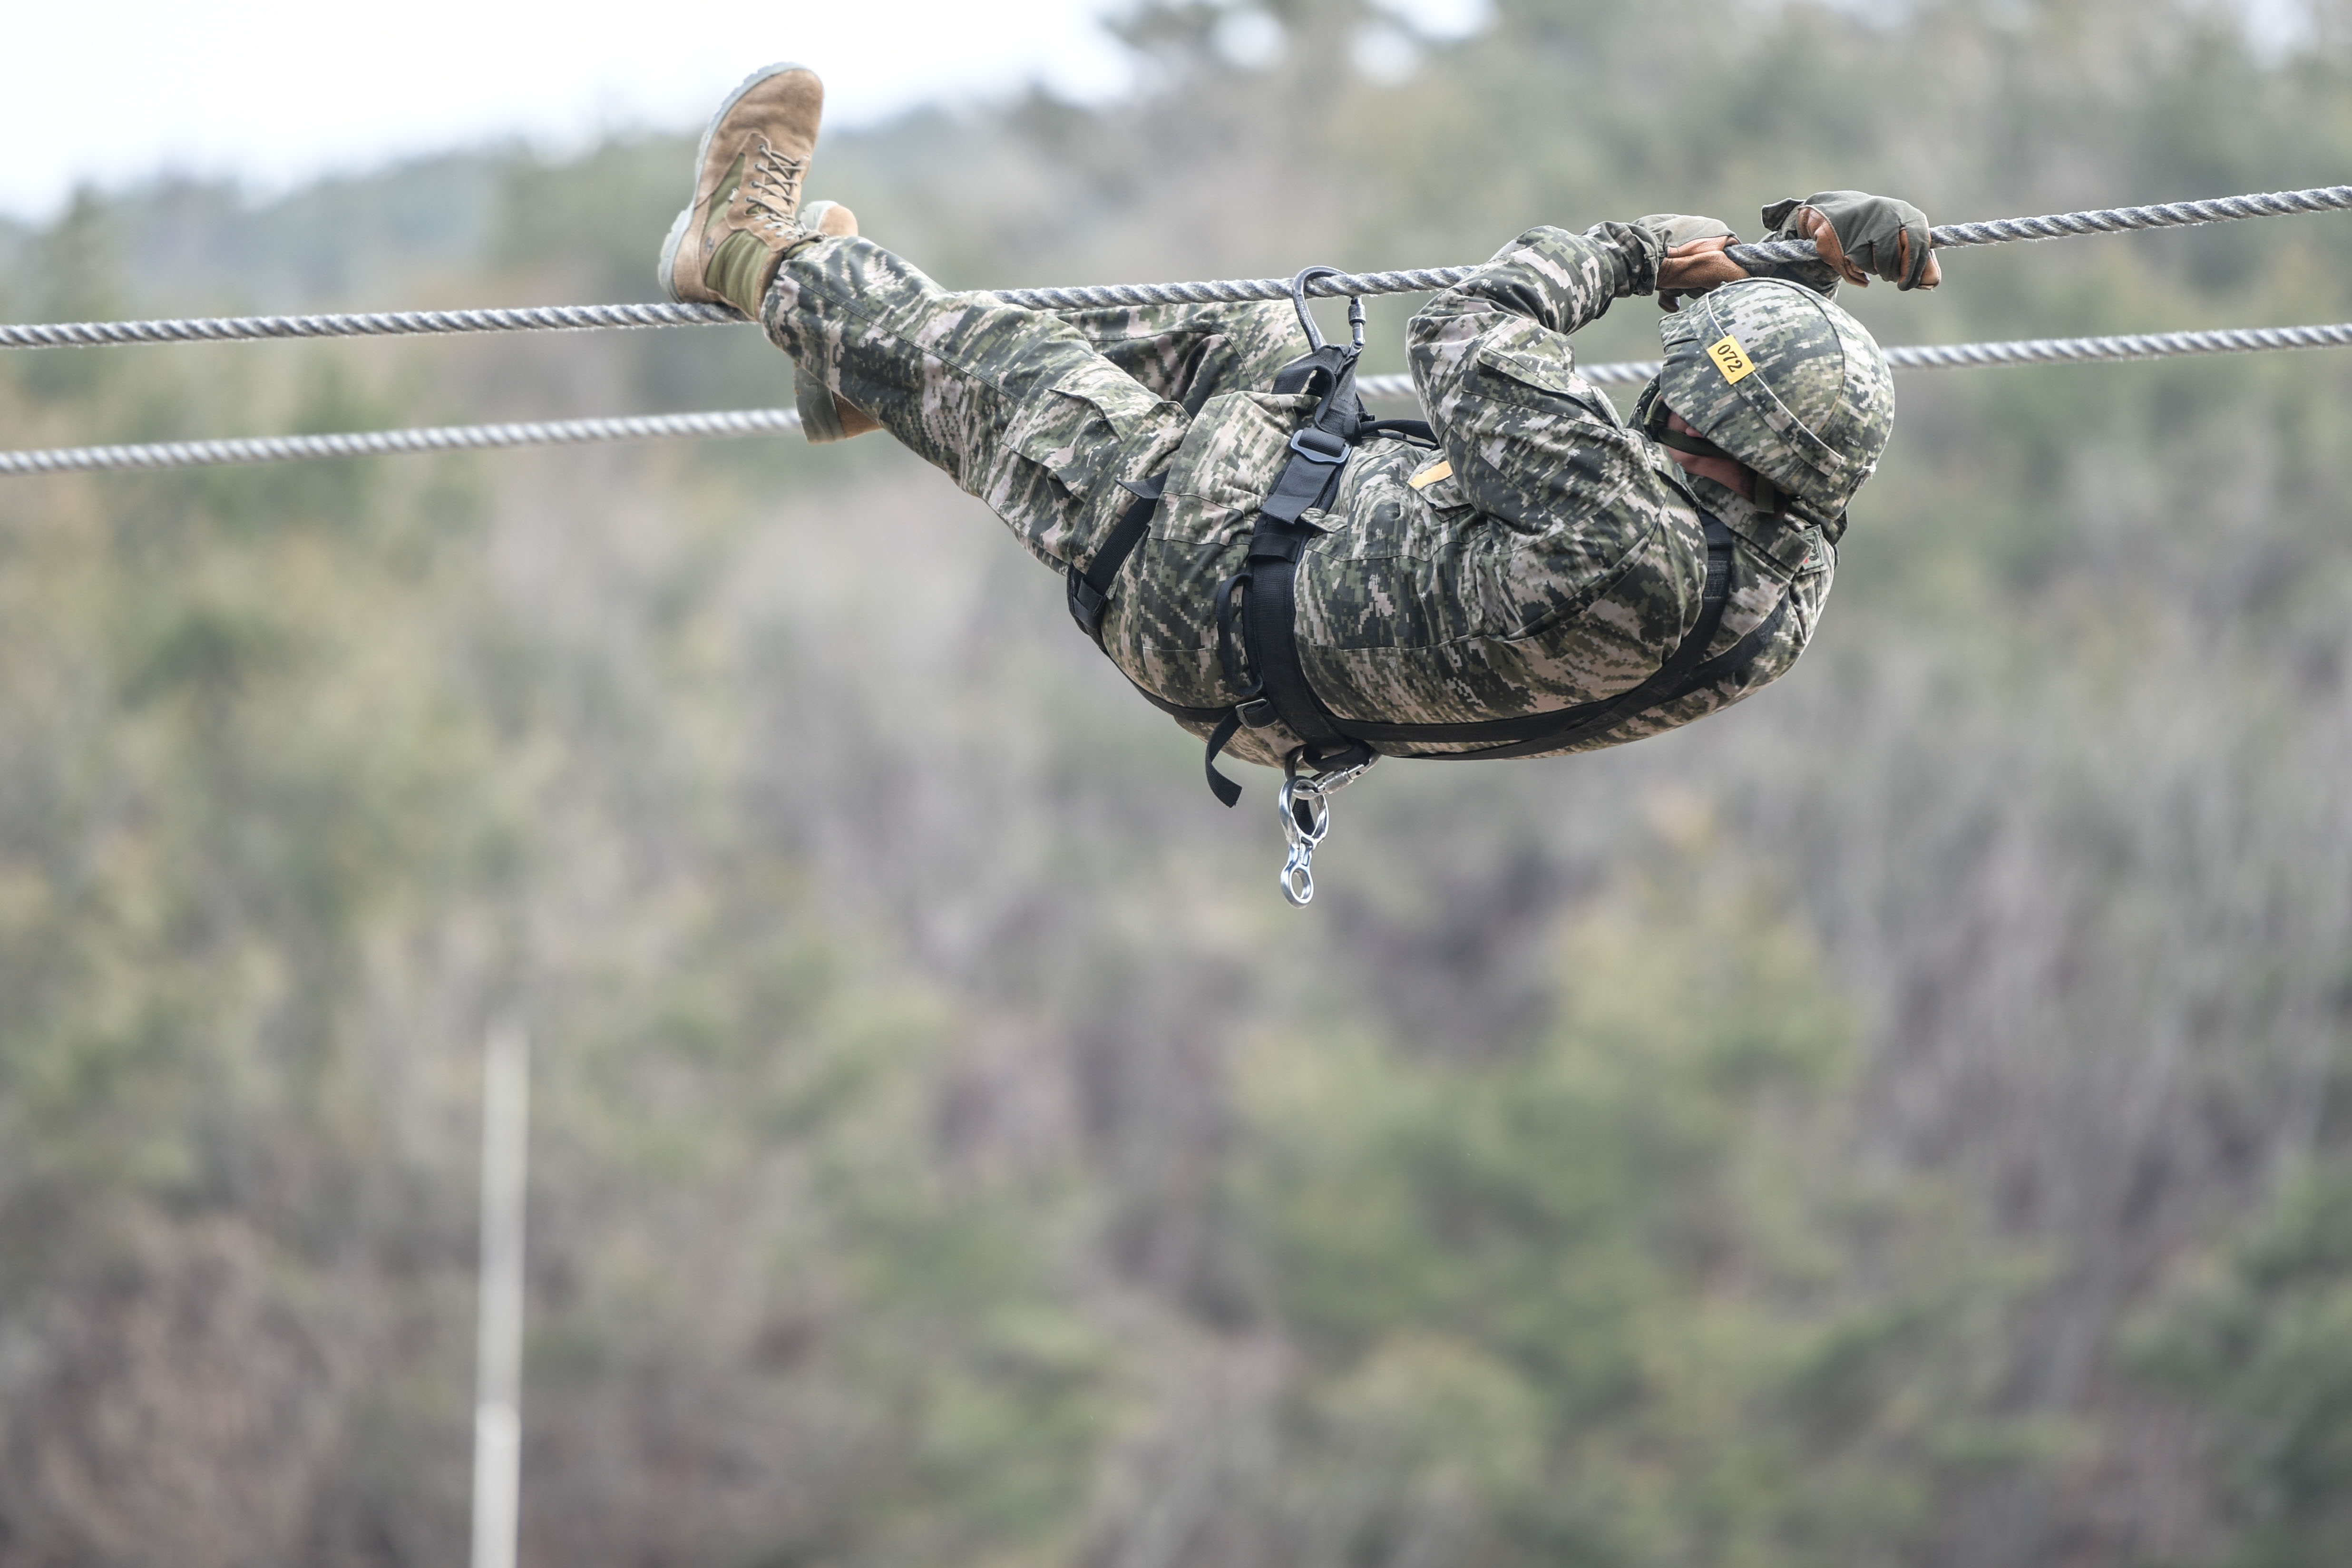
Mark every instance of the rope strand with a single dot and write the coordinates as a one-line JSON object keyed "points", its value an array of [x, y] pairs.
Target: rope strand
{"points": [[781, 421], [1409, 280]]}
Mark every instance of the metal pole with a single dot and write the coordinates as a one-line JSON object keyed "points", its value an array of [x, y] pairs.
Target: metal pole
{"points": [[497, 1420]]}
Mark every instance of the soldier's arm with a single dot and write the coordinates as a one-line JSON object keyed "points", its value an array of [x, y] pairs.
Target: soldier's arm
{"points": [[1527, 436], [1557, 279]]}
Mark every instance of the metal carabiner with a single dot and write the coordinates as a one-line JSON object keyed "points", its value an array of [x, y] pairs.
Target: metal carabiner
{"points": [[1306, 317]]}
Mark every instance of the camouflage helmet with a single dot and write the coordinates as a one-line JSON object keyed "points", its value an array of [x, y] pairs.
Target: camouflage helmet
{"points": [[1784, 381]]}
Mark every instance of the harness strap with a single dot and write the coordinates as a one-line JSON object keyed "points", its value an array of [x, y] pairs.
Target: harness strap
{"points": [[1316, 455], [1733, 662], [1261, 600], [1269, 615], [1090, 591], [1687, 669], [1089, 599], [1696, 445]]}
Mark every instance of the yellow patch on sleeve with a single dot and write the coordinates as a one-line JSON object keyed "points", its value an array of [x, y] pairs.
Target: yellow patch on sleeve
{"points": [[1441, 469], [1731, 360]]}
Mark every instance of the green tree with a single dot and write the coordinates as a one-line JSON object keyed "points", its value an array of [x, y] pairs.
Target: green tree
{"points": [[2263, 1338], [1599, 1302]]}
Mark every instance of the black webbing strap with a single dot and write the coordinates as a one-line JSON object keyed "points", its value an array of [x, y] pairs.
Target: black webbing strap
{"points": [[1733, 661], [1262, 596], [1685, 669], [1696, 445], [1226, 791], [1090, 591]]}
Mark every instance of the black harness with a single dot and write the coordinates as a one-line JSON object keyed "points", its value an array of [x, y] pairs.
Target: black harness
{"points": [[1256, 607]]}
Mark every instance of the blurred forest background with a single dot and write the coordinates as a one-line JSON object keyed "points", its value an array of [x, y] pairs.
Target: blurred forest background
{"points": [[1901, 1120]]}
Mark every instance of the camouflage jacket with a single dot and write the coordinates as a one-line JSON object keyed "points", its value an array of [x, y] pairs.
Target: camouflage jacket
{"points": [[1560, 562]]}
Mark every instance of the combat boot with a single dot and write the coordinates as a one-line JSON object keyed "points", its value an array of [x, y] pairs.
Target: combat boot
{"points": [[744, 218], [828, 416]]}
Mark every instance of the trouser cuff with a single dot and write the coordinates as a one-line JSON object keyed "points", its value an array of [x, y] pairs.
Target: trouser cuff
{"points": [[820, 416]]}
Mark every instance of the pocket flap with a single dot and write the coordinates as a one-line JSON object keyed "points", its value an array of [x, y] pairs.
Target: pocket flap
{"points": [[1074, 429], [1552, 375], [1535, 357]]}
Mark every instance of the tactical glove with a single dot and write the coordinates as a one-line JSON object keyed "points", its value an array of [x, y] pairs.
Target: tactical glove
{"points": [[1695, 262], [1857, 235], [1675, 229]]}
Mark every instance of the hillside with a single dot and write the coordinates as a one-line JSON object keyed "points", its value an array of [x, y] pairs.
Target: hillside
{"points": [[1900, 1121]]}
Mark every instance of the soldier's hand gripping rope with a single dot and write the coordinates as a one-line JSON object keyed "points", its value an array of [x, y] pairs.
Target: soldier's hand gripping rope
{"points": [[1857, 235], [1854, 234]]}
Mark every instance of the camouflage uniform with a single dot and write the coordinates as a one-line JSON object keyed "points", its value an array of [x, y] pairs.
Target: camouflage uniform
{"points": [[1560, 562]]}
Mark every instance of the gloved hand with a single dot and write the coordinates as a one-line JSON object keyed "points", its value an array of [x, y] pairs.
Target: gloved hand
{"points": [[1858, 234], [1695, 262]]}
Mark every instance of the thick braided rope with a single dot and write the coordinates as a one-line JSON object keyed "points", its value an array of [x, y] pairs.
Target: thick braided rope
{"points": [[2106, 220], [779, 421], [385, 443], [1236, 290], [2016, 351], [380, 324], [2062, 350], [1409, 280], [586, 318]]}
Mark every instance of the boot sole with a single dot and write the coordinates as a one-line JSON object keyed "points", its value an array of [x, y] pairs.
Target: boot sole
{"points": [[678, 230]]}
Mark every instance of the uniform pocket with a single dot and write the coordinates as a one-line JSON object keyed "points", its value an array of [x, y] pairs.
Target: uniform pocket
{"points": [[1397, 575], [1055, 476], [1786, 547], [1534, 357], [1078, 430], [1233, 455]]}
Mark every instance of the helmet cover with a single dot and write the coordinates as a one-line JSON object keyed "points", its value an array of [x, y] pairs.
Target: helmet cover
{"points": [[1788, 383]]}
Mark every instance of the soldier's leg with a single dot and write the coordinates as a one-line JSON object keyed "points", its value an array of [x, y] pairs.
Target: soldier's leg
{"points": [[1188, 353], [1184, 353], [1016, 406]]}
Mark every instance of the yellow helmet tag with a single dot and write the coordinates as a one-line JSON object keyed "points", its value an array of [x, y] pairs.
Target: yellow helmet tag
{"points": [[1731, 360]]}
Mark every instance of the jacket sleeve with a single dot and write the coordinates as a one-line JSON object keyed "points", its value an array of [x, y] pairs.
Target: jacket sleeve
{"points": [[1532, 442]]}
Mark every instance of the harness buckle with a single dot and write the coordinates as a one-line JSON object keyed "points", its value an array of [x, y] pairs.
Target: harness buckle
{"points": [[1258, 713], [1321, 446]]}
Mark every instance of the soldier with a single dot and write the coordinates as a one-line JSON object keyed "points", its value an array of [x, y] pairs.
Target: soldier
{"points": [[1527, 574]]}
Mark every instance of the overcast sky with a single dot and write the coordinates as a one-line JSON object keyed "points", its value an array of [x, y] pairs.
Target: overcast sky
{"points": [[273, 91]]}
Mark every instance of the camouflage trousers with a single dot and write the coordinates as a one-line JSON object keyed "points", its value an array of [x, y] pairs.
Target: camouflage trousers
{"points": [[972, 384]]}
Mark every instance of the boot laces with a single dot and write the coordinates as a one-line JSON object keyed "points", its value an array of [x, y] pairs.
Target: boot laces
{"points": [[772, 190]]}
